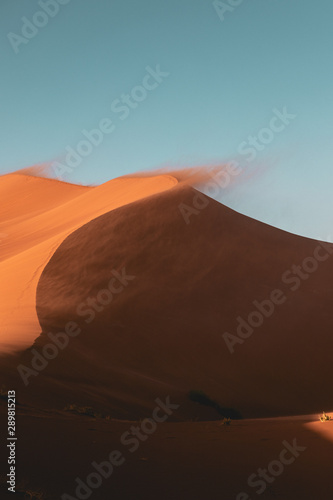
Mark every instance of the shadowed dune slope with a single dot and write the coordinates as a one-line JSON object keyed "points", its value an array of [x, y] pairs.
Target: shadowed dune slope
{"points": [[161, 334]]}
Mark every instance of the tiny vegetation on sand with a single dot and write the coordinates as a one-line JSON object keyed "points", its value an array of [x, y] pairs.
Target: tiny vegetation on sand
{"points": [[324, 417]]}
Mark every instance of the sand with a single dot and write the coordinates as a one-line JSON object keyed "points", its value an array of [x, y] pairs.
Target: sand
{"points": [[184, 460], [146, 295]]}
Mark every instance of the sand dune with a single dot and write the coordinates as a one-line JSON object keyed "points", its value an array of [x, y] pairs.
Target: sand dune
{"points": [[109, 300], [188, 285], [36, 215]]}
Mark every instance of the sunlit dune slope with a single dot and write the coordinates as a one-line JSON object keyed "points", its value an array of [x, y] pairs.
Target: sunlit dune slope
{"points": [[36, 215], [24, 196]]}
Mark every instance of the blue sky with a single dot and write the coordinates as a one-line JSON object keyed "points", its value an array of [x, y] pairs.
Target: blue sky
{"points": [[226, 75]]}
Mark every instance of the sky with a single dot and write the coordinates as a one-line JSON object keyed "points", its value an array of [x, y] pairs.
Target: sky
{"points": [[100, 89]]}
